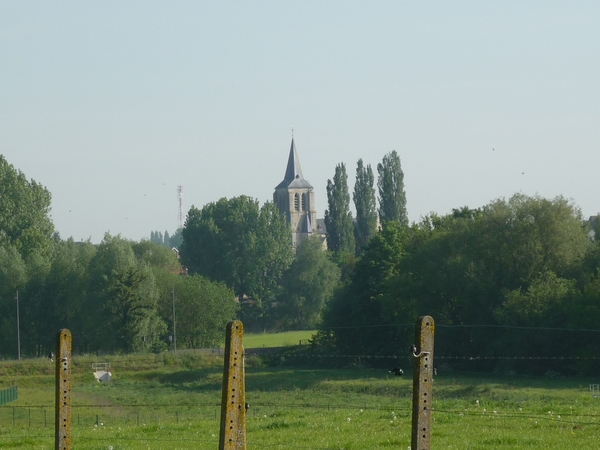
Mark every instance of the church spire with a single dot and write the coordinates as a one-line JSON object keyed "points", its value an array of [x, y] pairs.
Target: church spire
{"points": [[293, 173], [293, 170], [295, 199]]}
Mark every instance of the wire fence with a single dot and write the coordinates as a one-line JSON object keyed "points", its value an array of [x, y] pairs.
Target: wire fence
{"points": [[89, 415], [95, 425]]}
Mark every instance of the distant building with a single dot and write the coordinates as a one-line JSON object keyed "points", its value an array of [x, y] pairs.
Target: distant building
{"points": [[295, 198]]}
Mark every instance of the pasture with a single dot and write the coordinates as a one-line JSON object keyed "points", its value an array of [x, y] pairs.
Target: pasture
{"points": [[283, 339], [172, 402]]}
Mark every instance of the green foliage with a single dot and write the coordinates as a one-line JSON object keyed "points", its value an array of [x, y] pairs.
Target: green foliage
{"points": [[156, 255], [24, 212], [174, 241], [13, 270], [56, 299], [366, 206], [123, 296], [338, 217], [13, 276], [202, 309], [307, 285], [525, 261], [509, 252], [274, 254], [26, 244], [246, 247], [358, 309], [392, 198]]}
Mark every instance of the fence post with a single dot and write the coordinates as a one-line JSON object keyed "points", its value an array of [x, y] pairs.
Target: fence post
{"points": [[422, 353], [62, 422], [233, 400]]}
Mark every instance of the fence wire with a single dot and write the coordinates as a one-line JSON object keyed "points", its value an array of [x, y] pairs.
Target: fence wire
{"points": [[38, 420]]}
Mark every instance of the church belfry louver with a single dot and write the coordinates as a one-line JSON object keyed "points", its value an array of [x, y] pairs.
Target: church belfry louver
{"points": [[295, 198]]}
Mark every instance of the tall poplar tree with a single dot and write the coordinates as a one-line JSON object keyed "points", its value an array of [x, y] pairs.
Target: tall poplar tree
{"points": [[338, 217], [392, 199], [365, 204]]}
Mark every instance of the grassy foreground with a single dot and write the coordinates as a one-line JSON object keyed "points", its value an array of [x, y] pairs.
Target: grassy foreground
{"points": [[166, 402]]}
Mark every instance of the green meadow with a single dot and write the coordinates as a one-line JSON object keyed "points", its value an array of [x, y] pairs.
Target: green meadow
{"points": [[172, 402], [283, 339]]}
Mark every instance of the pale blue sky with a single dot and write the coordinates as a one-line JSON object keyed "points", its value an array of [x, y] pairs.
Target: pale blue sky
{"points": [[113, 104]]}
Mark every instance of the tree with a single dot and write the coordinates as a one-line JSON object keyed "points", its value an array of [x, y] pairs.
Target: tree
{"points": [[246, 247], [13, 276], [171, 241], [359, 312], [274, 255], [56, 299], [176, 239], [122, 300], [524, 262], [26, 242], [366, 206], [308, 285], [392, 199], [24, 210], [202, 309], [518, 240], [493, 266], [13, 271], [156, 255], [338, 217]]}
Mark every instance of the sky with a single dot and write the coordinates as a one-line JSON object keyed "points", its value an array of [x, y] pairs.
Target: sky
{"points": [[112, 105]]}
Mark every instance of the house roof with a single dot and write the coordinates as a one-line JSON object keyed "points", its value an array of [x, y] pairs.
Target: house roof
{"points": [[293, 173]]}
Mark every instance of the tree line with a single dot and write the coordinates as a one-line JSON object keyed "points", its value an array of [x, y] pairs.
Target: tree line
{"points": [[515, 279], [514, 271], [115, 296], [171, 241]]}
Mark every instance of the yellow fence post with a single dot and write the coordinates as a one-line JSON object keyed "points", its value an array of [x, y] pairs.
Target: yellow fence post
{"points": [[62, 426], [233, 402], [422, 353]]}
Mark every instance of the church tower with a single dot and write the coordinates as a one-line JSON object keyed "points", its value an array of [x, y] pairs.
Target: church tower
{"points": [[295, 198]]}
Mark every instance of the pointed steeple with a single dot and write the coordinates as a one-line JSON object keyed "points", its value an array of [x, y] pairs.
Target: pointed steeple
{"points": [[293, 172], [295, 199]]}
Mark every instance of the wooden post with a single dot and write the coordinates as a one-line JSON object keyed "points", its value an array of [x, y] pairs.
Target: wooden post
{"points": [[62, 423], [233, 402], [422, 384]]}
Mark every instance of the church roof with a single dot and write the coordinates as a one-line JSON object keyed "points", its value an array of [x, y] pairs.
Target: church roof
{"points": [[293, 173], [306, 226]]}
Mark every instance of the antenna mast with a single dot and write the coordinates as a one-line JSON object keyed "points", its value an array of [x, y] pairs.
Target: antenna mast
{"points": [[180, 195]]}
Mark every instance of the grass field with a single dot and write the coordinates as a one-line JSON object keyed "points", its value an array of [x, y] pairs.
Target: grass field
{"points": [[287, 338], [166, 402]]}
